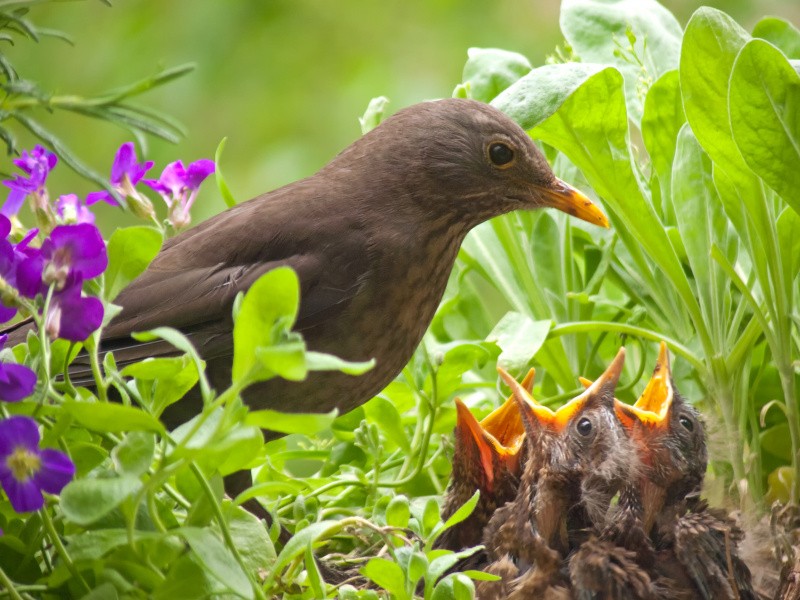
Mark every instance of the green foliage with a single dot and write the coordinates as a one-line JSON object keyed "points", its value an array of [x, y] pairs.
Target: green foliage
{"points": [[667, 128], [23, 98], [690, 140]]}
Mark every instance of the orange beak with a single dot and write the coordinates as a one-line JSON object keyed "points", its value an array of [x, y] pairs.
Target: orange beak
{"points": [[498, 436], [566, 198]]}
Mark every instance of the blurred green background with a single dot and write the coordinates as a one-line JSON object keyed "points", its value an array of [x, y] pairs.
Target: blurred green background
{"points": [[284, 80]]}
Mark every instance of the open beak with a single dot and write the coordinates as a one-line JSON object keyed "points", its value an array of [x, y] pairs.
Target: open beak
{"points": [[505, 423], [535, 416], [566, 198], [605, 384], [654, 405], [471, 437]]}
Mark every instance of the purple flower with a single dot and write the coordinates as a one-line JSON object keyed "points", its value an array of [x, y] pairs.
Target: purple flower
{"points": [[125, 174], [178, 185], [71, 210], [37, 165], [16, 381], [70, 249], [27, 470], [73, 316]]}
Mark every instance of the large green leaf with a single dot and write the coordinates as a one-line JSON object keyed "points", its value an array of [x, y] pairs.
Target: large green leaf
{"points": [[764, 105], [489, 71], [701, 222], [541, 92], [781, 33], [710, 45], [130, 251], [268, 310], [218, 560], [590, 126], [603, 31], [84, 501], [663, 118]]}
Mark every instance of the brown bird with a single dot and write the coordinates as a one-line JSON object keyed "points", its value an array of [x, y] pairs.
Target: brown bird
{"points": [[577, 461], [660, 525], [373, 237], [486, 458]]}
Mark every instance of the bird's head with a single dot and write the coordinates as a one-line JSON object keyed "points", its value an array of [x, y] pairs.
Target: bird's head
{"points": [[669, 437], [477, 163], [486, 458], [488, 450], [579, 453]]}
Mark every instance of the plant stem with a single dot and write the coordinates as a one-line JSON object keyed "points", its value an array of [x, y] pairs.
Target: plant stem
{"points": [[60, 549]]}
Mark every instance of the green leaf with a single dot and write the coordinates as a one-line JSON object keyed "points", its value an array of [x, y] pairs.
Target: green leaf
{"points": [[305, 423], [710, 45], [285, 360], [297, 545], [780, 33], [251, 539], [387, 575], [765, 117], [541, 92], [318, 361], [777, 441], [590, 126], [84, 501], [130, 251], [663, 118], [489, 71], [104, 417], [385, 414], [701, 222], [222, 185], [464, 511], [602, 31], [187, 579], [788, 226], [398, 512], [135, 453], [217, 559], [267, 312], [519, 338], [374, 114]]}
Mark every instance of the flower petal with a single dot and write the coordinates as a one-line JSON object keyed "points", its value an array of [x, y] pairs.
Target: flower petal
{"points": [[79, 247], [56, 471], [18, 382], [123, 160], [29, 276], [79, 316], [25, 496], [198, 171], [102, 196], [17, 431], [14, 202]]}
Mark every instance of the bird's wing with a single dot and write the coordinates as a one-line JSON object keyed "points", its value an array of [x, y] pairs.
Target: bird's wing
{"points": [[193, 282]]}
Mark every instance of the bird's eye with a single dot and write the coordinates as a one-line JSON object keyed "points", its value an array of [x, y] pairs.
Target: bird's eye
{"points": [[686, 422], [500, 154], [584, 426]]}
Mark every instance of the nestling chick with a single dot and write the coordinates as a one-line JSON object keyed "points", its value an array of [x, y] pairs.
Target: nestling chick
{"points": [[578, 457], [687, 549], [486, 458]]}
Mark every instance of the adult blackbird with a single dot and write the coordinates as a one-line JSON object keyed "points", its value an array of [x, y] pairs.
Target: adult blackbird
{"points": [[373, 237], [486, 458], [577, 460]]}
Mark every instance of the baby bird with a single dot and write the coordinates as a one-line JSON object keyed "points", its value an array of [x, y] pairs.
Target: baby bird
{"points": [[660, 526], [486, 458], [578, 457]]}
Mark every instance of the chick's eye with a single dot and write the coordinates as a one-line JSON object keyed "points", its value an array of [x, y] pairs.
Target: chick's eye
{"points": [[584, 426], [500, 154], [686, 422]]}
